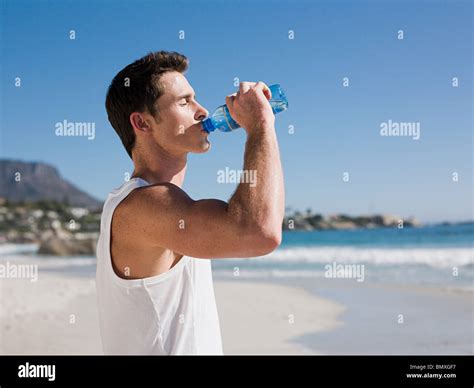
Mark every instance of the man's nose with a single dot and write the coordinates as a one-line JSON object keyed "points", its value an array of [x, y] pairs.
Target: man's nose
{"points": [[202, 113]]}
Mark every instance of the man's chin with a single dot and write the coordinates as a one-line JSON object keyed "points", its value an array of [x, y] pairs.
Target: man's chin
{"points": [[205, 147]]}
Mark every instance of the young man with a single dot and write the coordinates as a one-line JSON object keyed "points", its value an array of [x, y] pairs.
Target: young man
{"points": [[154, 280]]}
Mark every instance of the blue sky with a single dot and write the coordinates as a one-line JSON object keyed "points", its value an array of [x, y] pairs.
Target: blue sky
{"points": [[336, 128]]}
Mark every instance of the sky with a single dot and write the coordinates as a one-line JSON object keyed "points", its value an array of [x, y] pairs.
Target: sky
{"points": [[347, 67]]}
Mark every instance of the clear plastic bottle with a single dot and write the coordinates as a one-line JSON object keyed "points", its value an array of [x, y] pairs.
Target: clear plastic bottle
{"points": [[223, 121]]}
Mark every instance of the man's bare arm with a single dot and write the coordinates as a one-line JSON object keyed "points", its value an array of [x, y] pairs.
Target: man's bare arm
{"points": [[249, 225], [262, 204]]}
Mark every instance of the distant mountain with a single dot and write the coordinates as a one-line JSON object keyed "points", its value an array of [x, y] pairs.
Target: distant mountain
{"points": [[39, 181]]}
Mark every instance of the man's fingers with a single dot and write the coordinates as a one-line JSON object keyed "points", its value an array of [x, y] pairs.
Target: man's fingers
{"points": [[245, 86], [266, 90]]}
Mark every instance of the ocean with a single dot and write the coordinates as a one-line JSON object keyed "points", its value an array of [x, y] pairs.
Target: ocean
{"points": [[439, 256]]}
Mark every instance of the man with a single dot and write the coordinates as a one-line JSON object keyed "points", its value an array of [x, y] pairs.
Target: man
{"points": [[154, 280]]}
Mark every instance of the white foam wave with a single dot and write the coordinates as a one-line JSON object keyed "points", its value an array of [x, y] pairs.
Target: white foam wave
{"points": [[9, 249], [435, 257]]}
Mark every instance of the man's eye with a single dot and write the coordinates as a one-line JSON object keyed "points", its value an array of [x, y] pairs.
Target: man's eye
{"points": [[186, 103]]}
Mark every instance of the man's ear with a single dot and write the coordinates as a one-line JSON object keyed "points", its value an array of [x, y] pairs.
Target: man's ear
{"points": [[139, 122]]}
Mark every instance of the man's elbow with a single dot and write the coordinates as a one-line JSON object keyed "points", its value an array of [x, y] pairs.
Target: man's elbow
{"points": [[268, 241]]}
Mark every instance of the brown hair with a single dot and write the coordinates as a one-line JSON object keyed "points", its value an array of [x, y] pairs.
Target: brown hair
{"points": [[136, 89]]}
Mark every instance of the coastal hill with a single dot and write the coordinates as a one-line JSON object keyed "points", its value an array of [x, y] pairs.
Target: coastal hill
{"points": [[35, 181], [308, 221]]}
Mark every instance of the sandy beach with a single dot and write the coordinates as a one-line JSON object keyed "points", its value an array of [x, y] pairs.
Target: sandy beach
{"points": [[57, 314]]}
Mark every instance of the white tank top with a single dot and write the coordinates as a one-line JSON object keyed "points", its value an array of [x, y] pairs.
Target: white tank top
{"points": [[171, 313]]}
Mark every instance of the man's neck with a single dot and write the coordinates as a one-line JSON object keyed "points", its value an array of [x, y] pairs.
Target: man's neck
{"points": [[161, 168]]}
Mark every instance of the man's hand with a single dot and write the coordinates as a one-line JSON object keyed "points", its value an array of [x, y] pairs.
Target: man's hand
{"points": [[250, 106]]}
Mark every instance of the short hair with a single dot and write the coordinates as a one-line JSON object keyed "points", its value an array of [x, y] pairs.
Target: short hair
{"points": [[136, 88]]}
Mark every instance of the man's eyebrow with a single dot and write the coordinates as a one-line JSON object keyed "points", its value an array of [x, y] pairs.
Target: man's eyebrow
{"points": [[186, 96]]}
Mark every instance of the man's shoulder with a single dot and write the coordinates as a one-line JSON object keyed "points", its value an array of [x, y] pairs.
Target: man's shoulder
{"points": [[152, 198]]}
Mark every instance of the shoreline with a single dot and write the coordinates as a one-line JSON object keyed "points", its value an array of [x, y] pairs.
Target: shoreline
{"points": [[392, 319], [266, 318]]}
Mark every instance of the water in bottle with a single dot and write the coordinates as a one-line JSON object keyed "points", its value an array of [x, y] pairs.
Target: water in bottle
{"points": [[223, 121]]}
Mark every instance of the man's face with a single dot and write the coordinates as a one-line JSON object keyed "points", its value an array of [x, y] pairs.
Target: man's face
{"points": [[177, 128]]}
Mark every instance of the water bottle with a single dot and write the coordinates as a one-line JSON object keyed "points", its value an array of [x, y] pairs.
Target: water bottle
{"points": [[222, 120]]}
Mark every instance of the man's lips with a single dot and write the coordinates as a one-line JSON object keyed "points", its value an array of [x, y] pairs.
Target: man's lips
{"points": [[200, 127]]}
